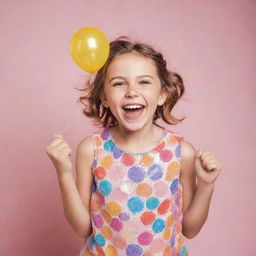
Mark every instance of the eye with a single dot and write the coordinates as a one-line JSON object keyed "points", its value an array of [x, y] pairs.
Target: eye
{"points": [[118, 84], [144, 82]]}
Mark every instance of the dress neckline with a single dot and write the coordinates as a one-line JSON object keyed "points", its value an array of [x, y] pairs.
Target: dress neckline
{"points": [[142, 153]]}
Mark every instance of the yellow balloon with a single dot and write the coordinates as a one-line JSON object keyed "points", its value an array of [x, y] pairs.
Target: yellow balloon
{"points": [[89, 49]]}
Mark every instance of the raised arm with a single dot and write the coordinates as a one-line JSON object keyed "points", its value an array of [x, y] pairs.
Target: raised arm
{"points": [[75, 194], [196, 193], [84, 178]]}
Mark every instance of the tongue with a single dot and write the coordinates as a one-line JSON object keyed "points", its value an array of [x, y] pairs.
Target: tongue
{"points": [[133, 114]]}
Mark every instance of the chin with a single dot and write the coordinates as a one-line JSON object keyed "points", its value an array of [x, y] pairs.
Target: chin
{"points": [[133, 126]]}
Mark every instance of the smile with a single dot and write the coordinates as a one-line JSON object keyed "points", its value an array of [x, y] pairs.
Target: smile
{"points": [[133, 111]]}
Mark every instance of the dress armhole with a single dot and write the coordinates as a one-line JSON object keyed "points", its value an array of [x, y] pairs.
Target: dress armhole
{"points": [[179, 139], [95, 151]]}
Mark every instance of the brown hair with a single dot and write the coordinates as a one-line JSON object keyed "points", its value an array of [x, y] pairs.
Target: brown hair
{"points": [[170, 81]]}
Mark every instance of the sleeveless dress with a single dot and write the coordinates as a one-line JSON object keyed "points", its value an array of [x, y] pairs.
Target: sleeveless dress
{"points": [[136, 201]]}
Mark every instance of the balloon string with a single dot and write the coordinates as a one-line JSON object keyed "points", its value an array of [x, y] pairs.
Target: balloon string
{"points": [[79, 109], [90, 79], [69, 124]]}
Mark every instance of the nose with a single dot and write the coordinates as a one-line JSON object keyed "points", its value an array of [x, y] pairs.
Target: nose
{"points": [[132, 91]]}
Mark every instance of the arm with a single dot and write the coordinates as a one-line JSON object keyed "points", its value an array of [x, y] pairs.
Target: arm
{"points": [[196, 197], [76, 195]]}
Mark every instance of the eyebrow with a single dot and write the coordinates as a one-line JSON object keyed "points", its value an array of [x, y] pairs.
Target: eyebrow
{"points": [[121, 77]]}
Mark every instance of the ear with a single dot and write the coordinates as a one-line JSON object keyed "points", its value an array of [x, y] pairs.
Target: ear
{"points": [[104, 100], [162, 97]]}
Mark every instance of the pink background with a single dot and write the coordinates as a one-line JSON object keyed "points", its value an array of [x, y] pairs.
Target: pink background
{"points": [[212, 44]]}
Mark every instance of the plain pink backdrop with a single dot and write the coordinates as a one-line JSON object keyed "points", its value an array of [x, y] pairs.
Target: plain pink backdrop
{"points": [[212, 44]]}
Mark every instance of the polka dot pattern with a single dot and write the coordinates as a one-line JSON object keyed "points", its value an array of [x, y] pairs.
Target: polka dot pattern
{"points": [[160, 188], [107, 232], [145, 238], [144, 190], [116, 224], [124, 216], [136, 201], [174, 186], [158, 225], [152, 203], [98, 220], [107, 161], [109, 145], [146, 160], [105, 187], [155, 172], [100, 173], [134, 250], [117, 152], [113, 208], [166, 155], [127, 160], [136, 174], [99, 250], [119, 242], [111, 250], [135, 204], [148, 217], [164, 206], [100, 240]]}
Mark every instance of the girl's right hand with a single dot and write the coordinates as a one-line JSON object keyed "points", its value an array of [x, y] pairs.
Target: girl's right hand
{"points": [[58, 150]]}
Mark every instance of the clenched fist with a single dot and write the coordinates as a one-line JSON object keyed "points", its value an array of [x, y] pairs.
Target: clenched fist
{"points": [[59, 151]]}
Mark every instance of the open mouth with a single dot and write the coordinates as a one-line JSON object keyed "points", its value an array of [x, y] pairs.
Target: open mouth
{"points": [[133, 111]]}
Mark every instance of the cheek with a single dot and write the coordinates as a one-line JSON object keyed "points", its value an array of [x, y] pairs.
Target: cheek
{"points": [[152, 97], [116, 96], [114, 102]]}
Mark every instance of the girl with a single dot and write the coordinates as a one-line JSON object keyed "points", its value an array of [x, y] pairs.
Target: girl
{"points": [[140, 188]]}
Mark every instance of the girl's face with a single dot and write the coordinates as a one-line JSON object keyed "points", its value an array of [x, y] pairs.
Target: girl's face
{"points": [[132, 91]]}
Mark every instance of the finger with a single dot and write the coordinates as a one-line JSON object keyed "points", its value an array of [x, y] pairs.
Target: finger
{"points": [[207, 157], [61, 145], [204, 155], [57, 137], [209, 160], [55, 142], [213, 168], [67, 151], [199, 153]]}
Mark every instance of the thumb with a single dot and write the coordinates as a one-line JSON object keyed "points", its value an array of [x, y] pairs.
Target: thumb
{"points": [[58, 135], [197, 158], [198, 153]]}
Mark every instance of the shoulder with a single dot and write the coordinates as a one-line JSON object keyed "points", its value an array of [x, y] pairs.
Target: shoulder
{"points": [[86, 145], [187, 149], [86, 148], [187, 157]]}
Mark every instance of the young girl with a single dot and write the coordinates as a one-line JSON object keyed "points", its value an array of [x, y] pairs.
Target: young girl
{"points": [[140, 188]]}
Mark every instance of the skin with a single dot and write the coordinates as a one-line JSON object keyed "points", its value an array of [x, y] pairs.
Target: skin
{"points": [[132, 78], [199, 168]]}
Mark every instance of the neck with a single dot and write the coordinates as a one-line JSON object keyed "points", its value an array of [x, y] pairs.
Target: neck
{"points": [[146, 137]]}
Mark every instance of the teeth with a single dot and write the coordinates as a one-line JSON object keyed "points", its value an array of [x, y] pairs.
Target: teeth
{"points": [[132, 107]]}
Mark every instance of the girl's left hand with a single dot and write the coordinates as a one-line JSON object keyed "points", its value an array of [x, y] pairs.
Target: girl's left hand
{"points": [[207, 166]]}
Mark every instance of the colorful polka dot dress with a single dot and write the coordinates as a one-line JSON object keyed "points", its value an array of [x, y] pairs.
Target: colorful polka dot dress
{"points": [[136, 202]]}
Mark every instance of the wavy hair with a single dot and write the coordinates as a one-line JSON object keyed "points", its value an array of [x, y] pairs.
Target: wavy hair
{"points": [[170, 81]]}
